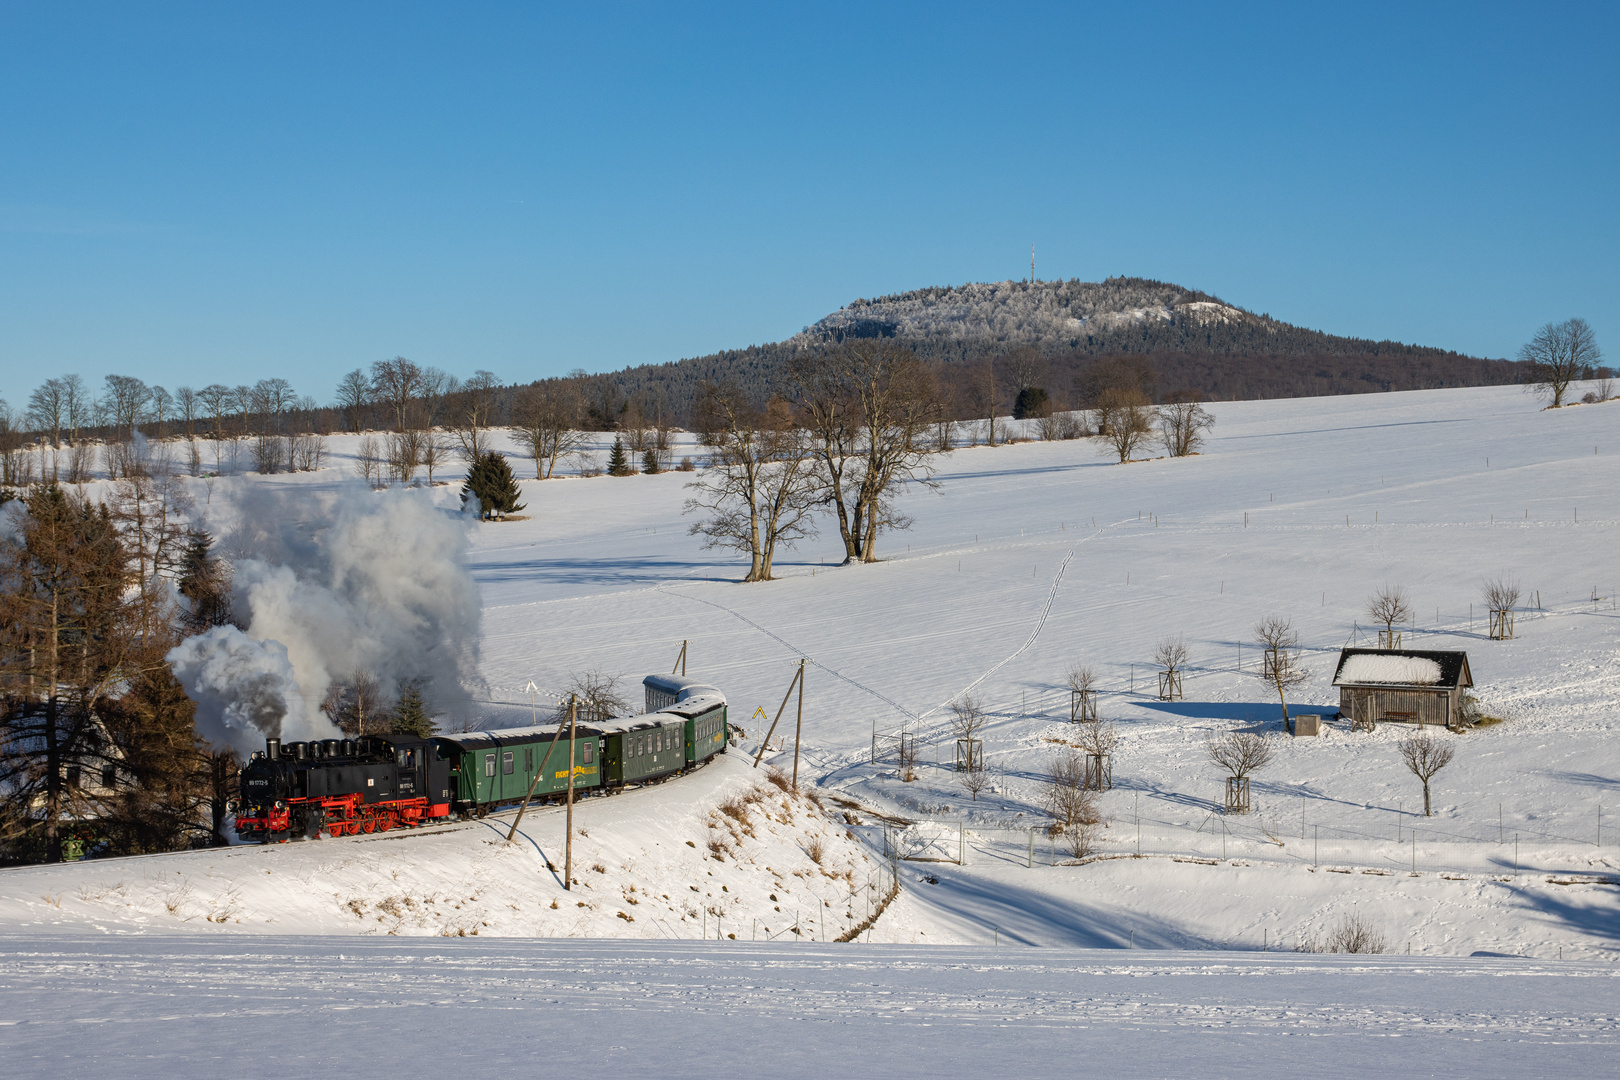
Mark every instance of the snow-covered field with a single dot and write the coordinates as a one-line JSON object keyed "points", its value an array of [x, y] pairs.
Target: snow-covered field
{"points": [[164, 1007], [1024, 560]]}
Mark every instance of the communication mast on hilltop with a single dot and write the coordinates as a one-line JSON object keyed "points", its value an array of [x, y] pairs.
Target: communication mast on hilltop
{"points": [[1032, 264]]}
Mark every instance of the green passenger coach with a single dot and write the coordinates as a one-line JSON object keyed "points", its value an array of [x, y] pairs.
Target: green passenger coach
{"points": [[683, 727], [493, 767], [702, 707]]}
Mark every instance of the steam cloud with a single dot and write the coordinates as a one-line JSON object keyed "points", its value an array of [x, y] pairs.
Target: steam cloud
{"points": [[331, 584]]}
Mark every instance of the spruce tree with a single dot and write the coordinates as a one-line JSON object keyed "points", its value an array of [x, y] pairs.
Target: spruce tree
{"points": [[205, 581], [490, 480], [649, 462], [618, 460], [411, 715]]}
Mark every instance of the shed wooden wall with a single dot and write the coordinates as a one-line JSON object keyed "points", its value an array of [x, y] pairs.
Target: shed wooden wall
{"points": [[1409, 706]]}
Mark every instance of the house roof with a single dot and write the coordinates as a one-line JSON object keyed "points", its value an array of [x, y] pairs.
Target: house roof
{"points": [[1414, 668]]}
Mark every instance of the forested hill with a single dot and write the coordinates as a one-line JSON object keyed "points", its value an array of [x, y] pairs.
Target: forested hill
{"points": [[1194, 341]]}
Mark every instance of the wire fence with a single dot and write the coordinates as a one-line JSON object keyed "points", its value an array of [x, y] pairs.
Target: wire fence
{"points": [[1374, 840]]}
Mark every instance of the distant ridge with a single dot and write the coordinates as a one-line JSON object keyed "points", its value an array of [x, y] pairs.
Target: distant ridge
{"points": [[1194, 341]]}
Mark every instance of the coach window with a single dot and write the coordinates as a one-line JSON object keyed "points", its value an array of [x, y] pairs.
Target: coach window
{"points": [[590, 752], [489, 764], [506, 762]]}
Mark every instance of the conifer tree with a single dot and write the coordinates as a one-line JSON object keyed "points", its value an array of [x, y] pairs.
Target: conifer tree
{"points": [[411, 715], [490, 480], [618, 460], [649, 462], [205, 582]]}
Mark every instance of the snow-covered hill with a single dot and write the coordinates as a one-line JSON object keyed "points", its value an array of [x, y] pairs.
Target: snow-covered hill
{"points": [[1045, 314], [1029, 558]]}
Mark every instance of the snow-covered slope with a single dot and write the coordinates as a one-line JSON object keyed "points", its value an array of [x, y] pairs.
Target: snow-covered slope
{"points": [[1032, 557]]}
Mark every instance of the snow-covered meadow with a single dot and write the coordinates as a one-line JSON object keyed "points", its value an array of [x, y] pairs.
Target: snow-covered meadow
{"points": [[1024, 559]]}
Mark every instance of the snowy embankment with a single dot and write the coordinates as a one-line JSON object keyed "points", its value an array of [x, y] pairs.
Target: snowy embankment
{"points": [[722, 851]]}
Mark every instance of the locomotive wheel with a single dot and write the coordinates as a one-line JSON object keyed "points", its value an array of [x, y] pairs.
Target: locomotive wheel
{"points": [[384, 824], [370, 825]]}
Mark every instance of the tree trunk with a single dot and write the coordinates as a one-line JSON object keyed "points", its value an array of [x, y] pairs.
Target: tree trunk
{"points": [[1426, 798], [53, 749]]}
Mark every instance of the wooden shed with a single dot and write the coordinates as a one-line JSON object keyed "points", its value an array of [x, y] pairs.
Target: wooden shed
{"points": [[1402, 686]]}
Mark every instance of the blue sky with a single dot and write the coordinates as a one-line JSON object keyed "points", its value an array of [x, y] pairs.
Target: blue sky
{"points": [[213, 192]]}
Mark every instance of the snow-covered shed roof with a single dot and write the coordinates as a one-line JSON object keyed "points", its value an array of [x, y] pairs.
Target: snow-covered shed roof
{"points": [[1426, 669]]}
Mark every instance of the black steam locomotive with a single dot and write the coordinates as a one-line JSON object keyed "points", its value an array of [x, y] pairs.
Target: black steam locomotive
{"points": [[343, 786]]}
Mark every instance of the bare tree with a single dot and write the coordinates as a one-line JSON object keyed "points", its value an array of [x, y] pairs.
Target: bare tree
{"points": [[868, 408], [127, 398], [1098, 737], [188, 408], [975, 777], [357, 705], [161, 410], [968, 717], [1425, 755], [1500, 596], [437, 447], [828, 410], [354, 399], [472, 422], [1280, 667], [395, 385], [368, 460], [1082, 680], [1501, 593], [987, 399], [404, 453], [216, 398], [1239, 753], [761, 491], [1558, 355], [1172, 656], [79, 404], [1123, 415], [1389, 606], [967, 721], [1074, 805], [1182, 425], [47, 410], [546, 423], [598, 695], [1055, 426]]}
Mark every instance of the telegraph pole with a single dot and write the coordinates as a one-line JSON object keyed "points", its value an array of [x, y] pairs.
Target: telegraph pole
{"points": [[568, 856], [798, 728]]}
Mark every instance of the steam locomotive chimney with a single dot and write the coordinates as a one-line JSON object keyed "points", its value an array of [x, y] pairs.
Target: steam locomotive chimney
{"points": [[272, 749]]}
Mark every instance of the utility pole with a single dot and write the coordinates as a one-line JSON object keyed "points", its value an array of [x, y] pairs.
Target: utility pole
{"points": [[568, 856], [680, 662], [538, 773], [798, 728], [798, 680]]}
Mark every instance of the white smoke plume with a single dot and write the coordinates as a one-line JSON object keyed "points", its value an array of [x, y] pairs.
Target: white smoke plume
{"points": [[329, 584], [245, 690]]}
